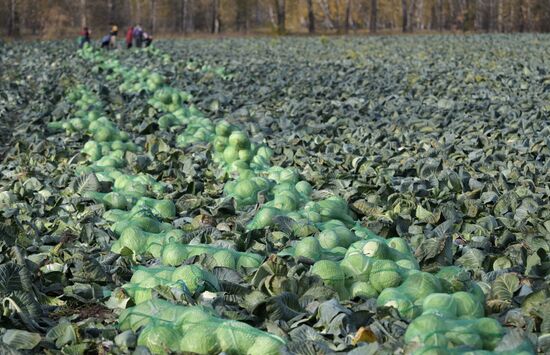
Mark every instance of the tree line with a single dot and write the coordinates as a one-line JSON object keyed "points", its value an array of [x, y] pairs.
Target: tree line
{"points": [[62, 18]]}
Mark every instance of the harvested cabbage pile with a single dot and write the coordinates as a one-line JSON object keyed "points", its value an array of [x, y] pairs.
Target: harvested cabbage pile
{"points": [[194, 329], [138, 222], [352, 263]]}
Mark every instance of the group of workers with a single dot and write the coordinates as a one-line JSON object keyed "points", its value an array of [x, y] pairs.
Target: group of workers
{"points": [[135, 37]]}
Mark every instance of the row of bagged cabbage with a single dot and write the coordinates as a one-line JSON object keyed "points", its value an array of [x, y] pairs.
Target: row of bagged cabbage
{"points": [[132, 208], [348, 257]]}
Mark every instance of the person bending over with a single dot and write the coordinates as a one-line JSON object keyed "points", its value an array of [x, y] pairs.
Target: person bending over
{"points": [[113, 33], [147, 39]]}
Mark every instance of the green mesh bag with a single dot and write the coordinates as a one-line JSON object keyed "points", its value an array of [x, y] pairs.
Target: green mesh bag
{"points": [[194, 329]]}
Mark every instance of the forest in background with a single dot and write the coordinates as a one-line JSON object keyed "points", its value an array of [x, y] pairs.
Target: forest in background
{"points": [[64, 18]]}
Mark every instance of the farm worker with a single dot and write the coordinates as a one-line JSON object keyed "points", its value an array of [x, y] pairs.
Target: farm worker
{"points": [[138, 35], [147, 39], [129, 37], [84, 36], [105, 41], [114, 33]]}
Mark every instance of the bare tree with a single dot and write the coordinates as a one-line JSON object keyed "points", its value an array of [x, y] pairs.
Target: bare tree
{"points": [[215, 5], [83, 19], [184, 16], [433, 17], [33, 17], [13, 21], [242, 19], [336, 18], [348, 19], [523, 10], [328, 23], [280, 8], [153, 5], [411, 17], [500, 15], [110, 10], [137, 15], [310, 17], [440, 22], [257, 10], [373, 15], [493, 11], [190, 20], [457, 13], [247, 15], [470, 15], [521, 15], [404, 14], [419, 14]]}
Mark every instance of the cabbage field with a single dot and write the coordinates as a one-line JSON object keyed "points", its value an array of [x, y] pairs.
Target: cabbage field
{"points": [[360, 195]]}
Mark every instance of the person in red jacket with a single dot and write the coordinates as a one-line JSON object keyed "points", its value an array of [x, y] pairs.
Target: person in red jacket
{"points": [[84, 36], [129, 37]]}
